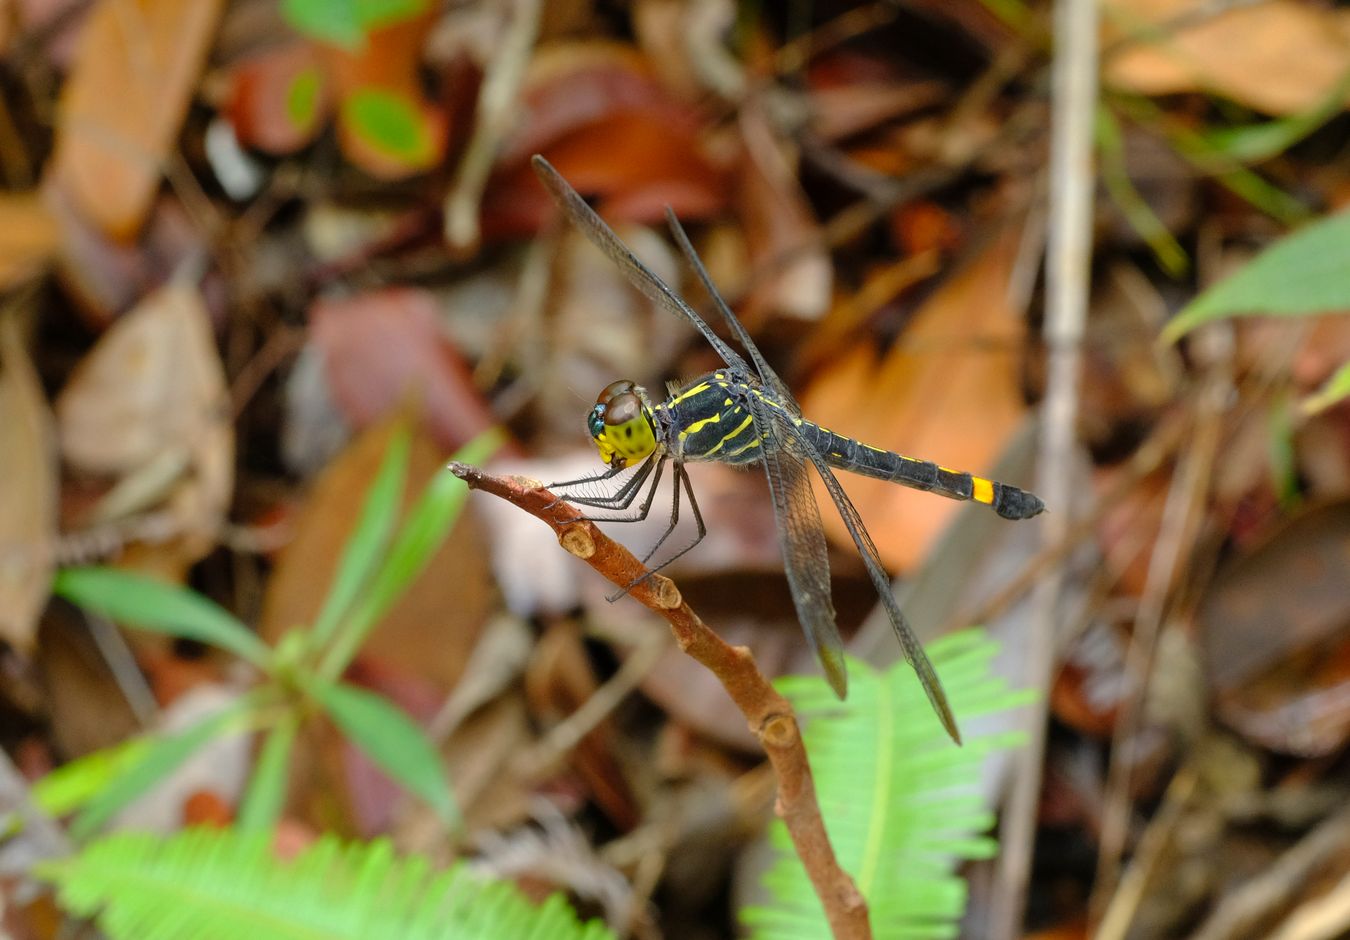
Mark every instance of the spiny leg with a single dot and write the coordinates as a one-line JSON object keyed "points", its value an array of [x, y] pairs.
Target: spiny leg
{"points": [[642, 510], [681, 479], [623, 497]]}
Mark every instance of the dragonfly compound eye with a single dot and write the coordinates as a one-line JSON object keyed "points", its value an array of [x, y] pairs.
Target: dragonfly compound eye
{"points": [[625, 434], [613, 390]]}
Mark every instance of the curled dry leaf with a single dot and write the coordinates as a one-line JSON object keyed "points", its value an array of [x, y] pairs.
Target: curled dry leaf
{"points": [[152, 395], [948, 392], [1280, 56], [124, 102], [28, 496]]}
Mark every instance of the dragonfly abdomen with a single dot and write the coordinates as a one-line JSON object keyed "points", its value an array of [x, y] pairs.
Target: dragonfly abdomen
{"points": [[845, 453]]}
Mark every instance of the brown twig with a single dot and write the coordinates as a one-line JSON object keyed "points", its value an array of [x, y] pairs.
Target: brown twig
{"points": [[769, 714]]}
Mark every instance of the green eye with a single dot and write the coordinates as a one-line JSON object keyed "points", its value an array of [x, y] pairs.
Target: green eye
{"points": [[596, 421]]}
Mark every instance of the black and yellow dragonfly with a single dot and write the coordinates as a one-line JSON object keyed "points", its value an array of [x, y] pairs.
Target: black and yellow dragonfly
{"points": [[742, 415]]}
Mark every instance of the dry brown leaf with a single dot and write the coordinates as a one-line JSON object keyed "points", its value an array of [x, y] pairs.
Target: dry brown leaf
{"points": [[28, 496], [1280, 57], [948, 393], [793, 272], [124, 102], [29, 236], [148, 405]]}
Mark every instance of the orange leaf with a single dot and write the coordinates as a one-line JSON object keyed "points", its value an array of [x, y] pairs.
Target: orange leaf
{"points": [[29, 236], [1280, 56], [948, 392], [121, 108]]}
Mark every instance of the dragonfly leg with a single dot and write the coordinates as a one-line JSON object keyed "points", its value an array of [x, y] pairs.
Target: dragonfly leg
{"points": [[627, 500], [621, 498], [681, 480], [608, 474]]}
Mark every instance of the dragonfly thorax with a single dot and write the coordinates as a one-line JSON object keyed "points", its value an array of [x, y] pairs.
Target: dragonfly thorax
{"points": [[621, 424]]}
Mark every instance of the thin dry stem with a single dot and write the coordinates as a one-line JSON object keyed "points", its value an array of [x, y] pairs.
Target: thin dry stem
{"points": [[769, 714]]}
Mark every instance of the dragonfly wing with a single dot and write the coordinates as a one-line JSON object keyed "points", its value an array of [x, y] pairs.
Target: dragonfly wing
{"points": [[909, 643], [767, 377], [801, 538], [638, 274]]}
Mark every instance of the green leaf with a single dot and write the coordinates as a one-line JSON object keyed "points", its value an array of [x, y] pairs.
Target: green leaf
{"points": [[71, 785], [1115, 174], [1253, 143], [392, 740], [368, 538], [345, 23], [390, 123], [266, 794], [218, 885], [302, 98], [1334, 391], [162, 755], [152, 605], [901, 802], [1301, 274], [429, 521]]}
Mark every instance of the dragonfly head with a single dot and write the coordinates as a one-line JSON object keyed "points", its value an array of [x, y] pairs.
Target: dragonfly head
{"points": [[621, 424]]}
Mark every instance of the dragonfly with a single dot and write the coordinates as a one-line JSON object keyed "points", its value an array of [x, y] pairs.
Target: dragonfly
{"points": [[744, 415]]}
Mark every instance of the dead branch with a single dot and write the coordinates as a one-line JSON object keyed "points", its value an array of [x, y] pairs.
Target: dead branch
{"points": [[769, 714]]}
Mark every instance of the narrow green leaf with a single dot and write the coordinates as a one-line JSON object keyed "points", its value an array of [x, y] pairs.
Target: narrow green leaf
{"points": [[1115, 174], [390, 123], [1301, 274], [392, 740], [162, 755], [71, 785], [1253, 143], [152, 605], [368, 538], [429, 521], [1334, 391], [266, 795]]}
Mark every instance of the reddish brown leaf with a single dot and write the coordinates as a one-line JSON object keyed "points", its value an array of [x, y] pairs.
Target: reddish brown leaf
{"points": [[382, 347], [279, 99], [600, 117], [122, 106]]}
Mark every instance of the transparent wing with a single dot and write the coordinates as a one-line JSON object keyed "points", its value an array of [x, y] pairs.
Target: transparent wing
{"points": [[802, 540], [909, 643], [638, 274], [767, 377]]}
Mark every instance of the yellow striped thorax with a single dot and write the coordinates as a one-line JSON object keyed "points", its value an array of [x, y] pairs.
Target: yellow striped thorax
{"points": [[621, 424]]}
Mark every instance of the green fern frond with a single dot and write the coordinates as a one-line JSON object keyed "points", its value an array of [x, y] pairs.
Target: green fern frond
{"points": [[900, 801], [208, 884]]}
